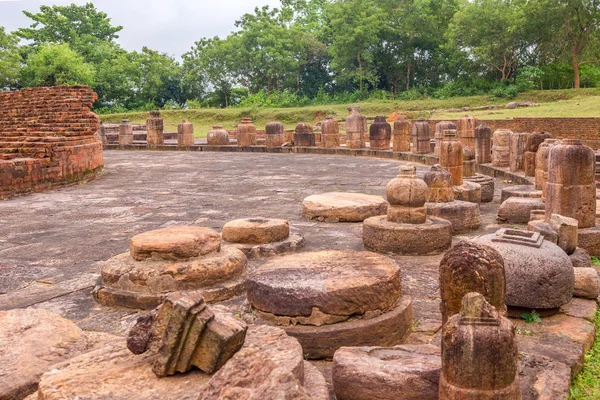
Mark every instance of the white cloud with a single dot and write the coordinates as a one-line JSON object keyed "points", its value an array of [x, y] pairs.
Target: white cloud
{"points": [[170, 26]]}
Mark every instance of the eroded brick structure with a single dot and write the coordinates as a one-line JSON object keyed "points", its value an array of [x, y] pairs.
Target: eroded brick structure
{"points": [[47, 138]]}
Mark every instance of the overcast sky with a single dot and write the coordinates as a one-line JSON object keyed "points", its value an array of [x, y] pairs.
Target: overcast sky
{"points": [[170, 26]]}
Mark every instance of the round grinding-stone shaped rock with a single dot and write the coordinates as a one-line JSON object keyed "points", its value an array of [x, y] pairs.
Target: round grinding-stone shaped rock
{"points": [[539, 274], [343, 207], [432, 237], [174, 243], [330, 299], [256, 230]]}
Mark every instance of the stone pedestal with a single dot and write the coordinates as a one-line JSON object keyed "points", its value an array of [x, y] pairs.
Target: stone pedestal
{"points": [[517, 145], [185, 134], [125, 133], [501, 148], [541, 165], [483, 144], [274, 134], [534, 141], [380, 134], [218, 136], [420, 137], [487, 184], [524, 191], [571, 187], [401, 134], [468, 191], [330, 133], [479, 354], [246, 133], [440, 127], [465, 128], [468, 163], [539, 274], [261, 237], [304, 136], [451, 156], [181, 258], [343, 207], [154, 129], [356, 128], [349, 298]]}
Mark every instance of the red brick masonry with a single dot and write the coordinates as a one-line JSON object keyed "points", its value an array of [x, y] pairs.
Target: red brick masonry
{"points": [[47, 138]]}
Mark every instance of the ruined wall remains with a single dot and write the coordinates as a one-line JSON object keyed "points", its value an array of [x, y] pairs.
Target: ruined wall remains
{"points": [[47, 138]]}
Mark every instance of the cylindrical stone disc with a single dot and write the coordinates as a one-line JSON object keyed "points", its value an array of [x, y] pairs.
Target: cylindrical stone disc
{"points": [[256, 230]]}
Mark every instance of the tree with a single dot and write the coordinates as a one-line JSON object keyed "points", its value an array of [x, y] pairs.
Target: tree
{"points": [[355, 26], [57, 64], [10, 60]]}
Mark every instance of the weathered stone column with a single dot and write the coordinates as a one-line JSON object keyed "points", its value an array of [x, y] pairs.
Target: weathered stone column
{"points": [[275, 134], [479, 354], [501, 148], [401, 134], [102, 133], [304, 136], [468, 162], [380, 134], [330, 133], [439, 182], [517, 144], [440, 127], [246, 133], [185, 133], [125, 133], [483, 144], [218, 136], [541, 164], [154, 129], [469, 267], [407, 196], [451, 156], [419, 140], [356, 128], [534, 141], [571, 188], [465, 128]]}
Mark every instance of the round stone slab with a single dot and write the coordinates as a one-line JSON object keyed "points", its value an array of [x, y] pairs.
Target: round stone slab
{"points": [[142, 284], [174, 243], [527, 191], [432, 237], [256, 230], [333, 283], [343, 207]]}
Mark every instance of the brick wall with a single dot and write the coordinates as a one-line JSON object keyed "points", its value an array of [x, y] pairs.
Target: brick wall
{"points": [[47, 138], [587, 129]]}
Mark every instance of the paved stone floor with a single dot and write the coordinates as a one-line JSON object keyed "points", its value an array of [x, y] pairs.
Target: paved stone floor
{"points": [[51, 242]]}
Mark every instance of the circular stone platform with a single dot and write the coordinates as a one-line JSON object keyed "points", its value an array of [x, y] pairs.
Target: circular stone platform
{"points": [[343, 207], [468, 191], [432, 237], [330, 299], [528, 191], [463, 215], [127, 282]]}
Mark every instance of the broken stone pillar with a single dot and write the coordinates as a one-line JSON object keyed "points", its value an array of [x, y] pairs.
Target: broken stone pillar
{"points": [[501, 148], [274, 134], [468, 163], [517, 144], [451, 156], [469, 267], [401, 134], [534, 141], [154, 129], [419, 140], [380, 134], [330, 133], [246, 133], [571, 187], [566, 228], [483, 144], [125, 133], [185, 133], [184, 334], [479, 354], [218, 136], [356, 128], [439, 182], [407, 196], [102, 133], [304, 136], [541, 164], [440, 127], [465, 129]]}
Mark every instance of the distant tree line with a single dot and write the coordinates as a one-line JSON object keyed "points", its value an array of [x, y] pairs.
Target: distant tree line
{"points": [[317, 52]]}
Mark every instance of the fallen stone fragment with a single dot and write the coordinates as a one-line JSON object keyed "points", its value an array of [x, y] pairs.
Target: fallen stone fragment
{"points": [[517, 210], [581, 258], [343, 207], [587, 284]]}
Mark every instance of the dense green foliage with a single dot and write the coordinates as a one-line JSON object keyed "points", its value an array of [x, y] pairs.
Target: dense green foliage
{"points": [[312, 52]]}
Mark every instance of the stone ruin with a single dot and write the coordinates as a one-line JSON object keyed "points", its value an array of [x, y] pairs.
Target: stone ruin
{"points": [[246, 133], [47, 139], [406, 229], [155, 129], [125, 133], [440, 127], [356, 128], [501, 148], [218, 136], [343, 207], [534, 140], [401, 134], [330, 133], [380, 134], [304, 136], [465, 128], [483, 144], [180, 258], [274, 134], [185, 133], [420, 137], [452, 159]]}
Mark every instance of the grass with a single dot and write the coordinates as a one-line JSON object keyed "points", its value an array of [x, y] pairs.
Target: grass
{"points": [[587, 384], [557, 103]]}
